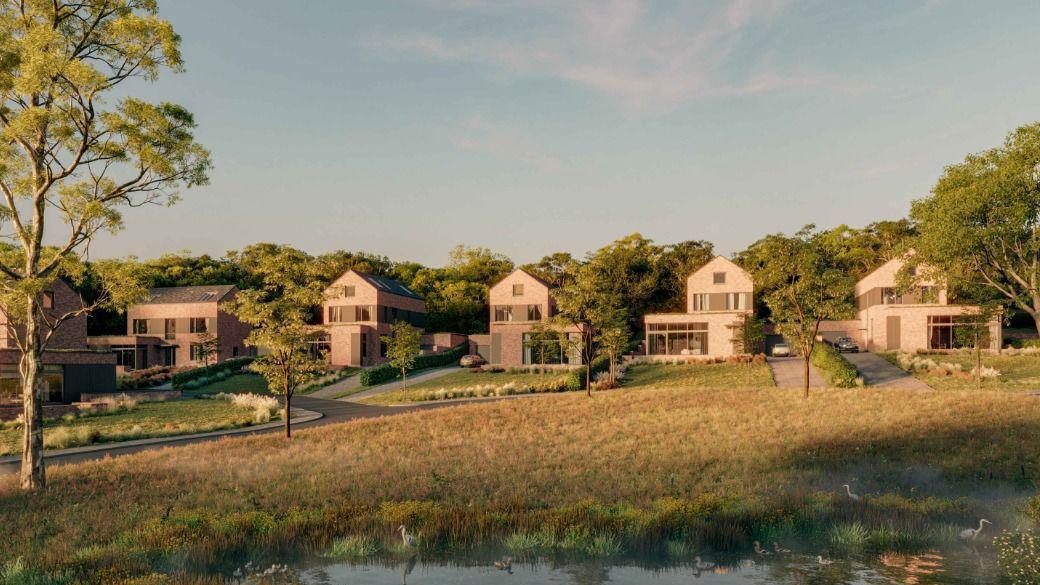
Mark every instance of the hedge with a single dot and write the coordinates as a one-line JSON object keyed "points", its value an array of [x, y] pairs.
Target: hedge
{"points": [[230, 366], [576, 377], [1024, 343], [385, 372], [834, 367]]}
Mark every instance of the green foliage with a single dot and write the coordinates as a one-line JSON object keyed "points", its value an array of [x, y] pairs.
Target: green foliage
{"points": [[834, 367], [402, 346], [749, 334], [352, 548], [1018, 553], [229, 366], [576, 376], [386, 372]]}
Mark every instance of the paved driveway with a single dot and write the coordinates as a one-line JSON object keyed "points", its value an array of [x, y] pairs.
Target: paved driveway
{"points": [[396, 384], [880, 373], [789, 372]]}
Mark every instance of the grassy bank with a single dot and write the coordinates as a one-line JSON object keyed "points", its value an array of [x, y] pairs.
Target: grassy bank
{"points": [[704, 467], [143, 421], [1020, 373], [460, 380], [699, 376]]}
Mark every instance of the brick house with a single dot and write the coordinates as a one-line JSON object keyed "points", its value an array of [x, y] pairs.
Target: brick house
{"points": [[518, 302], [357, 310], [70, 367], [918, 319], [718, 295], [165, 329]]}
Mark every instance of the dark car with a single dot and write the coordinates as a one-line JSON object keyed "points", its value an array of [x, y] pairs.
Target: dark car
{"points": [[471, 361], [846, 345]]}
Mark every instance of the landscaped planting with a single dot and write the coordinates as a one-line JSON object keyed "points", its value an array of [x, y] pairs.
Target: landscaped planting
{"points": [[677, 468], [700, 375], [475, 384], [837, 370], [198, 377], [385, 372], [1009, 370]]}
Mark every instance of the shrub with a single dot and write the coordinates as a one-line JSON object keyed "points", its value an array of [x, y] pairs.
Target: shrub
{"points": [[231, 366], [1018, 554], [66, 437], [1026, 343], [352, 547], [576, 377], [264, 407], [838, 371], [385, 372]]}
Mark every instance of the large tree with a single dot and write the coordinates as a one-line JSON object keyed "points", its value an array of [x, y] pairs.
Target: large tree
{"points": [[981, 224], [805, 286], [72, 161], [592, 306]]}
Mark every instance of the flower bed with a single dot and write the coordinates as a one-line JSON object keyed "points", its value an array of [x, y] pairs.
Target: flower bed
{"points": [[916, 363]]}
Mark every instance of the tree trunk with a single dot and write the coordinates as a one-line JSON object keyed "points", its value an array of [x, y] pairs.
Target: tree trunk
{"points": [[288, 405], [806, 371], [978, 362], [404, 379], [588, 378], [33, 477]]}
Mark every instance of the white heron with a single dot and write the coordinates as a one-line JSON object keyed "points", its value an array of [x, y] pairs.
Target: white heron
{"points": [[852, 496], [972, 533], [759, 550], [779, 549], [823, 561], [406, 537], [702, 565]]}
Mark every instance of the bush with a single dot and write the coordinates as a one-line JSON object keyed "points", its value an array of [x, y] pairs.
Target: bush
{"points": [[210, 373], [264, 407], [576, 377], [834, 367], [1018, 554], [1024, 343], [385, 372]]}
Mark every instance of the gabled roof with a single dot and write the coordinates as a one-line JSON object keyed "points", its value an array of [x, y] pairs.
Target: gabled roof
{"points": [[533, 277], [388, 285], [188, 294]]}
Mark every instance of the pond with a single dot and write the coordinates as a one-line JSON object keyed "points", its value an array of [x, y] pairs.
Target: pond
{"points": [[956, 566]]}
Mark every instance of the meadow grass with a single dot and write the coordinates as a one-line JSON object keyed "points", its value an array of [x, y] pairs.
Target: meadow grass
{"points": [[1019, 373], [243, 383], [619, 473], [145, 420], [699, 376], [458, 380]]}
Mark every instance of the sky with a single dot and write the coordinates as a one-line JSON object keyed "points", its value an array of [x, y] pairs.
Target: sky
{"points": [[404, 128]]}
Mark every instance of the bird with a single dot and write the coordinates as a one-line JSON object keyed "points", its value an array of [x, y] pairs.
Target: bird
{"points": [[406, 537], [823, 561], [779, 549], [852, 496], [972, 533], [506, 564], [759, 550], [702, 565]]}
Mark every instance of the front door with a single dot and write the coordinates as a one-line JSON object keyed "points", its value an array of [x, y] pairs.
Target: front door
{"points": [[893, 327]]}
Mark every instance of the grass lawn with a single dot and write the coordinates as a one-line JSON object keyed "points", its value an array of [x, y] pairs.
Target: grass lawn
{"points": [[146, 420], [459, 380], [707, 467], [235, 384], [1019, 373], [698, 376]]}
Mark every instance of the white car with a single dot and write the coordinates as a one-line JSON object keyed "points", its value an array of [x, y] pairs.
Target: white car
{"points": [[782, 349]]}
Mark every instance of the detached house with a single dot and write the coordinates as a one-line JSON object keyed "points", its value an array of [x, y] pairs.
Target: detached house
{"points": [[70, 367], [357, 310], [168, 327], [718, 295], [917, 319], [519, 302]]}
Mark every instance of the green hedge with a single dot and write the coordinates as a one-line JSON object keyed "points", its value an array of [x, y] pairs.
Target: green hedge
{"points": [[576, 377], [834, 367], [230, 366], [385, 372], [1024, 343]]}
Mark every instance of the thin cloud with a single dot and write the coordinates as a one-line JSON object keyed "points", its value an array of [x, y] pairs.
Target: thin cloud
{"points": [[627, 49], [477, 134]]}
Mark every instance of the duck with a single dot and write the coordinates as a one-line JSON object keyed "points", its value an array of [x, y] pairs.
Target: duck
{"points": [[702, 565], [506, 564], [759, 550], [822, 561], [779, 549]]}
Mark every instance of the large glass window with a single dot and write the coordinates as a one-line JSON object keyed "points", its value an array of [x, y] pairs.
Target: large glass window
{"points": [[320, 344], [549, 349], [956, 331], [52, 382], [140, 327], [677, 338]]}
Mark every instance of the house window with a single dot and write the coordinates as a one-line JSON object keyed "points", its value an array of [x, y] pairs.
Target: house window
{"points": [[503, 313], [677, 338], [700, 302], [140, 327], [889, 296], [518, 290], [382, 349], [718, 277], [349, 291], [48, 299], [198, 325], [126, 356], [170, 329], [196, 352], [736, 301], [364, 345], [335, 314], [534, 312], [363, 313], [543, 349], [169, 356], [52, 380], [955, 332]]}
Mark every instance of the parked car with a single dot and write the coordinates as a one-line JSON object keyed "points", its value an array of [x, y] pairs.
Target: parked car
{"points": [[846, 344], [472, 361], [782, 349]]}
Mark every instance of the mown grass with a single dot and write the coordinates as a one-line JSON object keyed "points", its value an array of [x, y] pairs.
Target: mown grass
{"points": [[1020, 373], [460, 379], [699, 376], [235, 384], [145, 420], [618, 473]]}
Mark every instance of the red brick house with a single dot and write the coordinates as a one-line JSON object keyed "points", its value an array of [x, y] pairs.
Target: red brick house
{"points": [[70, 366], [165, 329], [357, 310]]}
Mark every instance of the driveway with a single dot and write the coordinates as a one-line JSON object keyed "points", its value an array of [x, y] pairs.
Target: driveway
{"points": [[880, 373], [396, 384], [789, 372]]}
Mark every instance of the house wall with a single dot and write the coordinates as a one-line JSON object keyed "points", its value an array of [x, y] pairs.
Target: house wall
{"points": [[913, 321], [506, 338], [720, 328], [702, 282], [229, 331], [71, 334]]}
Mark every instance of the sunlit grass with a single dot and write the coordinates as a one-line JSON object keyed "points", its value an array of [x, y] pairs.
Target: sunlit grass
{"points": [[757, 375], [459, 380], [1017, 373]]}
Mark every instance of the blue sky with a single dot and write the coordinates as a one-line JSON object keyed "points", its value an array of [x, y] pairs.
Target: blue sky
{"points": [[533, 126]]}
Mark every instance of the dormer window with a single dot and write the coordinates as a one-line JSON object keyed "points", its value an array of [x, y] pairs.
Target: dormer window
{"points": [[48, 299], [518, 290], [719, 277]]}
